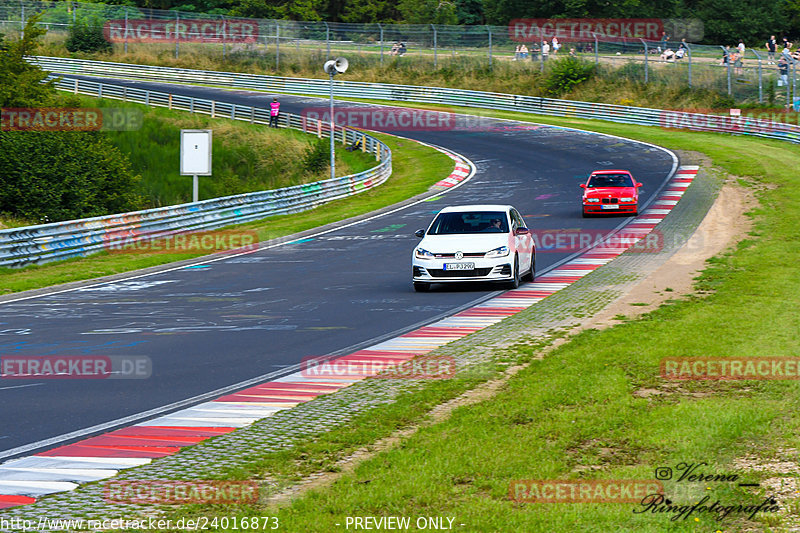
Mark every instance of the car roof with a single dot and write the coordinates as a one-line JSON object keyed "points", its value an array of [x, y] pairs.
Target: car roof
{"points": [[475, 207], [597, 172]]}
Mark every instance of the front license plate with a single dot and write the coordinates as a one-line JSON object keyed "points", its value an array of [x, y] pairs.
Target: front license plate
{"points": [[459, 266], [611, 206]]}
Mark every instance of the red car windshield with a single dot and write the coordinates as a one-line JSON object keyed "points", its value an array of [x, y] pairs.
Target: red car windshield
{"points": [[610, 180]]}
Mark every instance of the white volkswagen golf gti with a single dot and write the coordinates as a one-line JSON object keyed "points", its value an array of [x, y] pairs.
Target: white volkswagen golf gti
{"points": [[474, 243]]}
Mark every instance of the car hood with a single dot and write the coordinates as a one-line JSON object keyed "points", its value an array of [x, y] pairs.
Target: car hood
{"points": [[467, 243], [610, 192]]}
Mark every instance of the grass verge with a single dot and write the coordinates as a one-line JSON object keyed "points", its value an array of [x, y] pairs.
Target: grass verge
{"points": [[415, 169], [247, 157], [579, 412]]}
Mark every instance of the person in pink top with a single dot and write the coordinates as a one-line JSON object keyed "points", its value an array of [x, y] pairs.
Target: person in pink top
{"points": [[274, 111]]}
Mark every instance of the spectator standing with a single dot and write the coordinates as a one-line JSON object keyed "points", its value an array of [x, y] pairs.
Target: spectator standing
{"points": [[523, 52], [783, 72], [772, 47], [664, 39], [274, 111], [518, 53], [556, 46], [741, 48], [787, 51], [545, 50], [534, 52]]}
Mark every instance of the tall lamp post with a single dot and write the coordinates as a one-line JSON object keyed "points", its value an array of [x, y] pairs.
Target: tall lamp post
{"points": [[332, 68]]}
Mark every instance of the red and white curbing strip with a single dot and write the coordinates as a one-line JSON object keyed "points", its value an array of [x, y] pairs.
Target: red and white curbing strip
{"points": [[460, 172], [64, 468]]}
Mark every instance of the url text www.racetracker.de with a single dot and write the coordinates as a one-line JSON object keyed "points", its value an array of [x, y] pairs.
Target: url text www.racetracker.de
{"points": [[198, 523]]}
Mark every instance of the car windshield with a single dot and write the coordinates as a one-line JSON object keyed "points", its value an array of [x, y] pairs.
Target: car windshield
{"points": [[610, 180], [471, 222]]}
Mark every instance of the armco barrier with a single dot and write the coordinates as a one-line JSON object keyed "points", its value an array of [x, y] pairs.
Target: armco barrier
{"points": [[432, 95], [61, 240]]}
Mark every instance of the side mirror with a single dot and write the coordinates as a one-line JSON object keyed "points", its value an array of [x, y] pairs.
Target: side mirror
{"points": [[639, 184], [522, 231], [583, 185], [420, 233]]}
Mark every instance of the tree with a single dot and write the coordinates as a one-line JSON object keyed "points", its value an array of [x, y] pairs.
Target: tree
{"points": [[21, 83], [428, 11]]}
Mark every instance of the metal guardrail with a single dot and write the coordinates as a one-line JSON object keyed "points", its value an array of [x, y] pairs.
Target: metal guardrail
{"points": [[61, 240], [432, 95]]}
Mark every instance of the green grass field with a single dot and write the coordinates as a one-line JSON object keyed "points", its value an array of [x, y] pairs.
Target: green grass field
{"points": [[574, 415]]}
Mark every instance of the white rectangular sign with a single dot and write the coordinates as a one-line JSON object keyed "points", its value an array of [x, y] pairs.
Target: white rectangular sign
{"points": [[195, 152]]}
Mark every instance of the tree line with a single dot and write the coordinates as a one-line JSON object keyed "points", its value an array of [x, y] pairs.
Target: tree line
{"points": [[725, 21]]}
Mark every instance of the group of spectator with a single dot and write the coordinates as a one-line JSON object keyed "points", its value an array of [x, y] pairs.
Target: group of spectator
{"points": [[521, 52], [398, 49]]}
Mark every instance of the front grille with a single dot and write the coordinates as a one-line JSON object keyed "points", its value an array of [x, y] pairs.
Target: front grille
{"points": [[610, 200], [450, 256], [478, 272]]}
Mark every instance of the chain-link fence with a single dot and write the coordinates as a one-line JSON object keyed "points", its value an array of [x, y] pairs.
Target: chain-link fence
{"points": [[753, 77]]}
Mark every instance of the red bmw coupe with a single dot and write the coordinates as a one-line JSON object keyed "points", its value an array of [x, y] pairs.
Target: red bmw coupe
{"points": [[610, 191]]}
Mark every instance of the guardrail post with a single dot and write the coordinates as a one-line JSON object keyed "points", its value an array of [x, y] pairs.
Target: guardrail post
{"points": [[252, 115], [434, 46], [489, 29], [191, 104], [124, 94], [760, 86], [213, 108], [327, 40], [177, 35], [233, 111], [319, 129], [596, 57], [794, 84], [146, 96], [169, 102], [277, 45], [76, 86], [689, 52], [99, 90], [646, 74]]}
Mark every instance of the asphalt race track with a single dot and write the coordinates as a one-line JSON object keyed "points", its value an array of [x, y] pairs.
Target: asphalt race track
{"points": [[218, 324]]}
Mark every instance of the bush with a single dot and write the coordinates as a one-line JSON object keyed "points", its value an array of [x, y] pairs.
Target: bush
{"points": [[87, 36], [318, 156], [565, 73], [64, 175]]}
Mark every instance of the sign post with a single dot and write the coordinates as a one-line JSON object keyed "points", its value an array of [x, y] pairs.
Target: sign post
{"points": [[195, 157]]}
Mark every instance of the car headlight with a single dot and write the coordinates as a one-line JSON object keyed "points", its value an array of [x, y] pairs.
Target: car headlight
{"points": [[592, 200], [626, 199], [422, 253], [498, 252]]}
